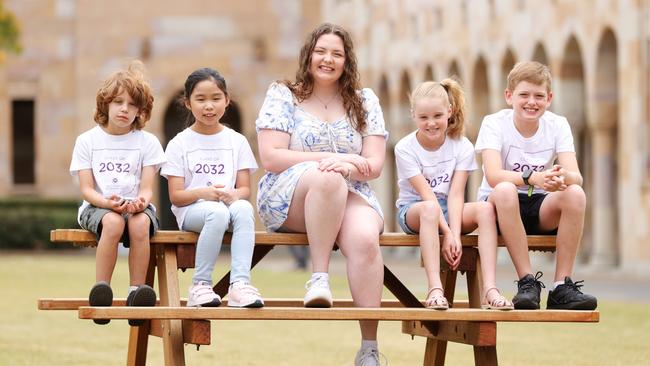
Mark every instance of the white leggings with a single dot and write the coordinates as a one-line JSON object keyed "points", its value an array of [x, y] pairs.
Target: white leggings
{"points": [[211, 219]]}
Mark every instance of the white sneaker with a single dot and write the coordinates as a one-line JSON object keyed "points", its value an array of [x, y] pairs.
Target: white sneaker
{"points": [[243, 295], [202, 294], [369, 357], [318, 293]]}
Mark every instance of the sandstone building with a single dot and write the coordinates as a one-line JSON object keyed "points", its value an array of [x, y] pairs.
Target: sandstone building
{"points": [[598, 51]]}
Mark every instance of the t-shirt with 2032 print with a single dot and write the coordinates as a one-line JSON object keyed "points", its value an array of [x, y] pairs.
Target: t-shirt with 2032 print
{"points": [[207, 160], [518, 153]]}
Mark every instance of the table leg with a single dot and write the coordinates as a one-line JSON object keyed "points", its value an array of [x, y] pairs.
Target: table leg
{"points": [[174, 353], [139, 336]]}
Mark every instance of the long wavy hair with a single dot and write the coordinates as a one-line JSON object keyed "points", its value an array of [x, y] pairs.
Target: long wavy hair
{"points": [[349, 84]]}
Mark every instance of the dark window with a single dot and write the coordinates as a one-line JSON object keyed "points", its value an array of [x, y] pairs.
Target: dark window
{"points": [[23, 141]]}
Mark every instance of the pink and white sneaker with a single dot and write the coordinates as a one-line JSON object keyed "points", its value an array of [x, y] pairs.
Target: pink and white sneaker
{"points": [[202, 295], [243, 295]]}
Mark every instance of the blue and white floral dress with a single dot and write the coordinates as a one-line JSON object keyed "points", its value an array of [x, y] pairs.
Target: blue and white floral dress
{"points": [[280, 112]]}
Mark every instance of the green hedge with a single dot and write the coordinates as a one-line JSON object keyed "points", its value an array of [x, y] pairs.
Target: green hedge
{"points": [[25, 223]]}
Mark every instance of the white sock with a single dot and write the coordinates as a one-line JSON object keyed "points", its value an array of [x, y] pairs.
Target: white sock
{"points": [[556, 284], [132, 288], [365, 344], [320, 274]]}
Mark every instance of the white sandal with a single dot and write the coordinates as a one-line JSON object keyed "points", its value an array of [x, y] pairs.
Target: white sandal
{"points": [[498, 303], [436, 301]]}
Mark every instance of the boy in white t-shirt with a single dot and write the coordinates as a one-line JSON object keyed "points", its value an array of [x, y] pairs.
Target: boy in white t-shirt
{"points": [[532, 195], [117, 163]]}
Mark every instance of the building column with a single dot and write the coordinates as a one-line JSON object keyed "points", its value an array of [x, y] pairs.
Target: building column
{"points": [[604, 208]]}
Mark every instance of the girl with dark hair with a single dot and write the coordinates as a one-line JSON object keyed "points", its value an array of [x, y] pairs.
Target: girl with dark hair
{"points": [[321, 139], [208, 171]]}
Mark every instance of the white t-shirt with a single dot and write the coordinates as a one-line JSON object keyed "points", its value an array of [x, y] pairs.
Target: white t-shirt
{"points": [[538, 152], [115, 160], [437, 167], [205, 160]]}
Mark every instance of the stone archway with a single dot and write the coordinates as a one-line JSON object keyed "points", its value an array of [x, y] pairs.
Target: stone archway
{"points": [[478, 108], [455, 72], [570, 101], [606, 251], [428, 73], [232, 117], [387, 190], [174, 121], [539, 54], [404, 107], [507, 63]]}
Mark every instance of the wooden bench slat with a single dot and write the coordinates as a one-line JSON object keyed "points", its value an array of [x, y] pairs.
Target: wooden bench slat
{"points": [[76, 303], [85, 238], [289, 313]]}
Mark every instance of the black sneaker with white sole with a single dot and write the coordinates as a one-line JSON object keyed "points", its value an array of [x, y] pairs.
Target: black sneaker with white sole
{"points": [[144, 295], [568, 296], [529, 289], [101, 294]]}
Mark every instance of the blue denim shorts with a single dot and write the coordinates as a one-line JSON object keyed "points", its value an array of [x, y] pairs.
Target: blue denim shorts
{"points": [[402, 210]]}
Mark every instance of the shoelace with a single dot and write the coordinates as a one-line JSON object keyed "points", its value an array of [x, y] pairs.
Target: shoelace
{"points": [[317, 282], [529, 285], [575, 285], [373, 354]]}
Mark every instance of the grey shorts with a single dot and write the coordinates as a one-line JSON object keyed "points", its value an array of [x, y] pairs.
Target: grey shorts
{"points": [[402, 210], [91, 220]]}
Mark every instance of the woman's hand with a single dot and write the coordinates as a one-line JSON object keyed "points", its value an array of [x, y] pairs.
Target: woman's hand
{"points": [[334, 164], [451, 250], [358, 161]]}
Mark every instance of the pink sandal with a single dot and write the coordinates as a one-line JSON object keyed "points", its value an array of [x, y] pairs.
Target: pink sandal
{"points": [[436, 301], [498, 303]]}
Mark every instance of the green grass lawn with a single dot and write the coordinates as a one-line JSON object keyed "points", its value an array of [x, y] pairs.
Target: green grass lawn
{"points": [[32, 337]]}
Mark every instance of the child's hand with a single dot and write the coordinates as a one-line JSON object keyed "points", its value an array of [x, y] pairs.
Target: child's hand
{"points": [[228, 196], [117, 204], [554, 179], [136, 205], [451, 250], [211, 193]]}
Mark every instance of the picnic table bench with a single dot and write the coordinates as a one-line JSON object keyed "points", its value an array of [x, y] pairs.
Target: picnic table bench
{"points": [[463, 323]]}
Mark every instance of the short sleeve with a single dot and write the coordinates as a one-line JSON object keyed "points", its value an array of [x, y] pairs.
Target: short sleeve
{"points": [[81, 155], [406, 161], [466, 157], [564, 138], [277, 110], [489, 135], [375, 124], [245, 156], [153, 152], [174, 165]]}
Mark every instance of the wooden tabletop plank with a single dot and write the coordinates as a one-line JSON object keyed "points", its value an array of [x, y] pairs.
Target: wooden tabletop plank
{"points": [[85, 238], [290, 313]]}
